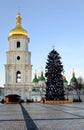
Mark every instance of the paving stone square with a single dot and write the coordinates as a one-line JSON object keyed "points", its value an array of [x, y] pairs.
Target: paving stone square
{"points": [[36, 116]]}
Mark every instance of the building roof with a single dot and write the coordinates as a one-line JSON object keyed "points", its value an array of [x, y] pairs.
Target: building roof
{"points": [[73, 79], [64, 80], [35, 80], [18, 30], [42, 78]]}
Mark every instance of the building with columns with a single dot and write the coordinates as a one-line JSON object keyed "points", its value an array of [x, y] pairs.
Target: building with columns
{"points": [[18, 67]]}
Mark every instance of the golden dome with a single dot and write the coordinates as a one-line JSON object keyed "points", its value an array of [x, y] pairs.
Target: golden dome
{"points": [[18, 30], [73, 73], [64, 78]]}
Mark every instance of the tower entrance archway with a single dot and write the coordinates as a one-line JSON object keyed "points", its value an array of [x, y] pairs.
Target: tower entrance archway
{"points": [[12, 98]]}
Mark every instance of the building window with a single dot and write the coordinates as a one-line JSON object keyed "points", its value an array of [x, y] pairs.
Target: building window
{"points": [[18, 57], [18, 77], [18, 44]]}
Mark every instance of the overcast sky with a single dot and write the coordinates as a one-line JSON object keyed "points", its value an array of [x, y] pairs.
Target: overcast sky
{"points": [[58, 23]]}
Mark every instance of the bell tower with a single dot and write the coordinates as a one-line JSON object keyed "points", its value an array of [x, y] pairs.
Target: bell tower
{"points": [[18, 67]]}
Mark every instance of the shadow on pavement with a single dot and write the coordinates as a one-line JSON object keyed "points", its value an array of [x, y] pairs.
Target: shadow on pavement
{"points": [[30, 125]]}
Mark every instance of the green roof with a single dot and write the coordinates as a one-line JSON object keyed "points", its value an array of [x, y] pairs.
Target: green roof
{"points": [[73, 79], [65, 81], [35, 80], [42, 78]]}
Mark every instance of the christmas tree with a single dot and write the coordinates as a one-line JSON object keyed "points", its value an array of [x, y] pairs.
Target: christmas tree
{"points": [[54, 80]]}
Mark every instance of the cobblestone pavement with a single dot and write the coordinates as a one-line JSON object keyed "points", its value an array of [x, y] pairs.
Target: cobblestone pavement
{"points": [[11, 117], [37, 116]]}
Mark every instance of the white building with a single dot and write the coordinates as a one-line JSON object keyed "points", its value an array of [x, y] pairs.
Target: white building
{"points": [[18, 67], [38, 87]]}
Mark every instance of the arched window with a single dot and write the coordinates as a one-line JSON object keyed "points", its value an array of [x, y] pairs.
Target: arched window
{"points": [[18, 77], [18, 44]]}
